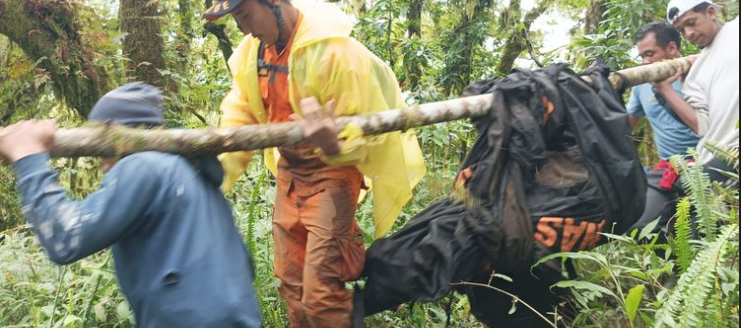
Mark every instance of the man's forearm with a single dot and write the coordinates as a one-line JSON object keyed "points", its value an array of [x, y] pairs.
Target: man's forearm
{"points": [[686, 112], [634, 120]]}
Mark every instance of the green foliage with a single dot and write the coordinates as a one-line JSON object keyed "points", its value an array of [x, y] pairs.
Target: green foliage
{"points": [[613, 50], [729, 156], [620, 22], [683, 248], [252, 203], [451, 53], [37, 293], [633, 301], [10, 210], [613, 41], [697, 185], [692, 302]]}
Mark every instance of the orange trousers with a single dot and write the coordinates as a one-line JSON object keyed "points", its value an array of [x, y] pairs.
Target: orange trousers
{"points": [[318, 247]]}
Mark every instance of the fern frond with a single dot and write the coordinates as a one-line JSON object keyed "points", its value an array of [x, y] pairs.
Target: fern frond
{"points": [[253, 215], [697, 185], [688, 300], [729, 156], [681, 243], [714, 309]]}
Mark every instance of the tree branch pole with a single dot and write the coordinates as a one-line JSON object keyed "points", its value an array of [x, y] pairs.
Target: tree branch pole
{"points": [[111, 141]]}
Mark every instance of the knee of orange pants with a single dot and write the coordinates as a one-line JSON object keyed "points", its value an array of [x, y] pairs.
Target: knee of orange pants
{"points": [[327, 303], [330, 263]]}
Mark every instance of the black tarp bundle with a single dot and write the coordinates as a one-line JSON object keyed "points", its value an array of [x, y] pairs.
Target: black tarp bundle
{"points": [[553, 166]]}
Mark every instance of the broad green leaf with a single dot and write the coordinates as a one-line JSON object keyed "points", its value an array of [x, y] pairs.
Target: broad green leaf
{"points": [[122, 311], [625, 239], [47, 310], [590, 256], [72, 321], [633, 301], [503, 277], [647, 319], [648, 229], [632, 271], [584, 285]]}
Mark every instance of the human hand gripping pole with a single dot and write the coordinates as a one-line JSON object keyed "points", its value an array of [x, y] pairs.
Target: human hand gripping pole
{"points": [[318, 125], [26, 138]]}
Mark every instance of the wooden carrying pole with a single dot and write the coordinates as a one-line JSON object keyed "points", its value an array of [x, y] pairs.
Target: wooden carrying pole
{"points": [[109, 141]]}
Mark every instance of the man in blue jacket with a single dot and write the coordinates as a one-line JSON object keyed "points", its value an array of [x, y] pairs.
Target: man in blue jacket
{"points": [[179, 258]]}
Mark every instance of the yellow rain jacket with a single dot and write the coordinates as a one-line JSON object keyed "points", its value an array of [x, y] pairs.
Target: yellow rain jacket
{"points": [[326, 63]]}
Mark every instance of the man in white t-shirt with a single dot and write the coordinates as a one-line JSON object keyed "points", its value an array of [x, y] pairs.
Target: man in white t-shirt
{"points": [[710, 103]]}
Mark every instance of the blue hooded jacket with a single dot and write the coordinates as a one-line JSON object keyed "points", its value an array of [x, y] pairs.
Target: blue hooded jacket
{"points": [[179, 258]]}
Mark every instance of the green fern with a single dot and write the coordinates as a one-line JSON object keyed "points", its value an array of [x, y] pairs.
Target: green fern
{"points": [[713, 311], [688, 301], [681, 242], [729, 156], [253, 215], [697, 185]]}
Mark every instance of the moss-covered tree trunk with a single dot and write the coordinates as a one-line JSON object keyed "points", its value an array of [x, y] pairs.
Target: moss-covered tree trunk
{"points": [[594, 16], [463, 42], [517, 39], [48, 33], [414, 18], [414, 73], [185, 35], [143, 45]]}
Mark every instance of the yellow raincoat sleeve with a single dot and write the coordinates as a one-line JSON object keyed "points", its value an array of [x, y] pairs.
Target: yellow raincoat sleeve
{"points": [[345, 70], [235, 113]]}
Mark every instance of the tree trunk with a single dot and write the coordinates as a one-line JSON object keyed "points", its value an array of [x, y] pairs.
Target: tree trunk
{"points": [[414, 18], [143, 45], [25, 96], [594, 16], [517, 41], [458, 72], [48, 32], [186, 15], [111, 141], [185, 35]]}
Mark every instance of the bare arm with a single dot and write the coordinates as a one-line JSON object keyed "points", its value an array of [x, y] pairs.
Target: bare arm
{"points": [[634, 108], [682, 108]]}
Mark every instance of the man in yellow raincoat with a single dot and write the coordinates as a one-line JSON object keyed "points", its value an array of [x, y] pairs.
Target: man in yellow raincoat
{"points": [[299, 62]]}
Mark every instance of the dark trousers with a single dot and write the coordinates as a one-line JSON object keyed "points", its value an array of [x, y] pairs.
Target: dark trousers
{"points": [[662, 203]]}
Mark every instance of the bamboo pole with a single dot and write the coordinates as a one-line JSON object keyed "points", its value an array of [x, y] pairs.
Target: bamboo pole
{"points": [[108, 141]]}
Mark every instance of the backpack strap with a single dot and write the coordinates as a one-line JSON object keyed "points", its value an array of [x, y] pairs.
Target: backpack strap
{"points": [[265, 69]]}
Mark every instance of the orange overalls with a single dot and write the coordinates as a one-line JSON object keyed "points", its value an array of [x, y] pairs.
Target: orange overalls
{"points": [[318, 244]]}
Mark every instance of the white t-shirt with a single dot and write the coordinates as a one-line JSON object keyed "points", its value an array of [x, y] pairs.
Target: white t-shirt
{"points": [[712, 90]]}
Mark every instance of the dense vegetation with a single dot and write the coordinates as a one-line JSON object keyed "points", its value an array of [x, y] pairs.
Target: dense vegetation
{"points": [[57, 57]]}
